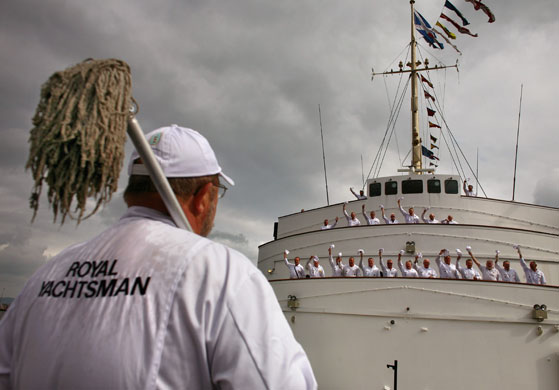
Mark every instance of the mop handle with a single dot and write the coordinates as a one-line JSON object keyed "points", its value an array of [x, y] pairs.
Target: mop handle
{"points": [[156, 174]]}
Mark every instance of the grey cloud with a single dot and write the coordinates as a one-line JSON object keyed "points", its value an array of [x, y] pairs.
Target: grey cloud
{"points": [[249, 75], [546, 192]]}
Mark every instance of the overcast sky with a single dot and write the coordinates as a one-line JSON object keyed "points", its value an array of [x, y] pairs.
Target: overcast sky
{"points": [[249, 75]]}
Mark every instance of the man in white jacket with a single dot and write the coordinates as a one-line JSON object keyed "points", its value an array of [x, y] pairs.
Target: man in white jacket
{"points": [[370, 270], [147, 305]]}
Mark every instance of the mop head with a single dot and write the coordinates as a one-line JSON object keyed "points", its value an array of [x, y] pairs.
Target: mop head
{"points": [[77, 142]]}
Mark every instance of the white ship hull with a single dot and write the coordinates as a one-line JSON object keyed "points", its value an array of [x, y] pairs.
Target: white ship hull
{"points": [[445, 334]]}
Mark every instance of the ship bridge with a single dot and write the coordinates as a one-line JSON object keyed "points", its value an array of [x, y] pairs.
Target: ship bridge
{"points": [[486, 224]]}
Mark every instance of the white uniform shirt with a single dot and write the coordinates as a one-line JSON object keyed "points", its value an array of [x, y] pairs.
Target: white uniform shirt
{"points": [[407, 273], [326, 227], [467, 273], [358, 196], [388, 273], [351, 222], [447, 222], [146, 305], [446, 271], [490, 274], [371, 221], [507, 276], [315, 272], [469, 193], [408, 217], [532, 277], [428, 220], [425, 272], [369, 272], [336, 269], [295, 271], [351, 272], [388, 221]]}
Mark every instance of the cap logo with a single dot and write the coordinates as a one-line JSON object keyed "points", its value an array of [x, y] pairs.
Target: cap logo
{"points": [[154, 139]]}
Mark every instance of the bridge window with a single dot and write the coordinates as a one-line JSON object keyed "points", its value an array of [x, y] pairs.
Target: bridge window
{"points": [[412, 186], [391, 188], [451, 186], [374, 189], [434, 186]]}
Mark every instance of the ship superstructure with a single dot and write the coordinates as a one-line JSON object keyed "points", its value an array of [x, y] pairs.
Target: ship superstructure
{"points": [[443, 333]]}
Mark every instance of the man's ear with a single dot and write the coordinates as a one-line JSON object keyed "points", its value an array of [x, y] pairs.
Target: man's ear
{"points": [[201, 201]]}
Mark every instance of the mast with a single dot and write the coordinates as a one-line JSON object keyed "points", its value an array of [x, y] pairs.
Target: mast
{"points": [[416, 148], [415, 139]]}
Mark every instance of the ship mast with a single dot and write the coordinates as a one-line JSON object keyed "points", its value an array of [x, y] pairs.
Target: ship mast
{"points": [[416, 149], [416, 162]]}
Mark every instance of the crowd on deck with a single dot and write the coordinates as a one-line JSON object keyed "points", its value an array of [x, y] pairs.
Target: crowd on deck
{"points": [[419, 268], [371, 218], [409, 216]]}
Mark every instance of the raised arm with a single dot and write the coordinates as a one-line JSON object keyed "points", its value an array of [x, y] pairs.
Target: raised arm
{"points": [[334, 224], [469, 249], [386, 220], [404, 212], [499, 268], [522, 261], [438, 259], [423, 216], [364, 213], [285, 259], [415, 261], [400, 264], [308, 265], [360, 259], [353, 192], [465, 188], [382, 266], [330, 257], [345, 213]]}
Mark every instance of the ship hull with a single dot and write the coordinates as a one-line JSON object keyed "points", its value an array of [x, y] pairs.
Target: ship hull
{"points": [[445, 334]]}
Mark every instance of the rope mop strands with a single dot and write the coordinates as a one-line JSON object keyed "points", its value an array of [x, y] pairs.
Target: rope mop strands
{"points": [[77, 142]]}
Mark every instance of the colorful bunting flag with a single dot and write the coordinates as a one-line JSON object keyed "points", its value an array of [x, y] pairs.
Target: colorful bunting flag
{"points": [[424, 80], [428, 96], [434, 139], [447, 41], [461, 29], [450, 34], [428, 153], [451, 7], [433, 146], [431, 124], [430, 112], [425, 29], [478, 4]]}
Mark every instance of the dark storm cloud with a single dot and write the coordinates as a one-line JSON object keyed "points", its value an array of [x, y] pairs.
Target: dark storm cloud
{"points": [[250, 75]]}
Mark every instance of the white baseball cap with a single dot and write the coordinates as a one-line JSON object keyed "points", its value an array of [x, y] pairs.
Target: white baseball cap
{"points": [[181, 152]]}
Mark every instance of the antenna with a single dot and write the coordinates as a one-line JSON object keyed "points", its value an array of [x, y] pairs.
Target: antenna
{"points": [[517, 136], [362, 172], [477, 171], [323, 156]]}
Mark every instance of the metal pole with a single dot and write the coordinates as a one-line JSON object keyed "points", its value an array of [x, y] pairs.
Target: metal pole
{"points": [[417, 154], [323, 156], [477, 171], [362, 174], [395, 368], [517, 135], [156, 174]]}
